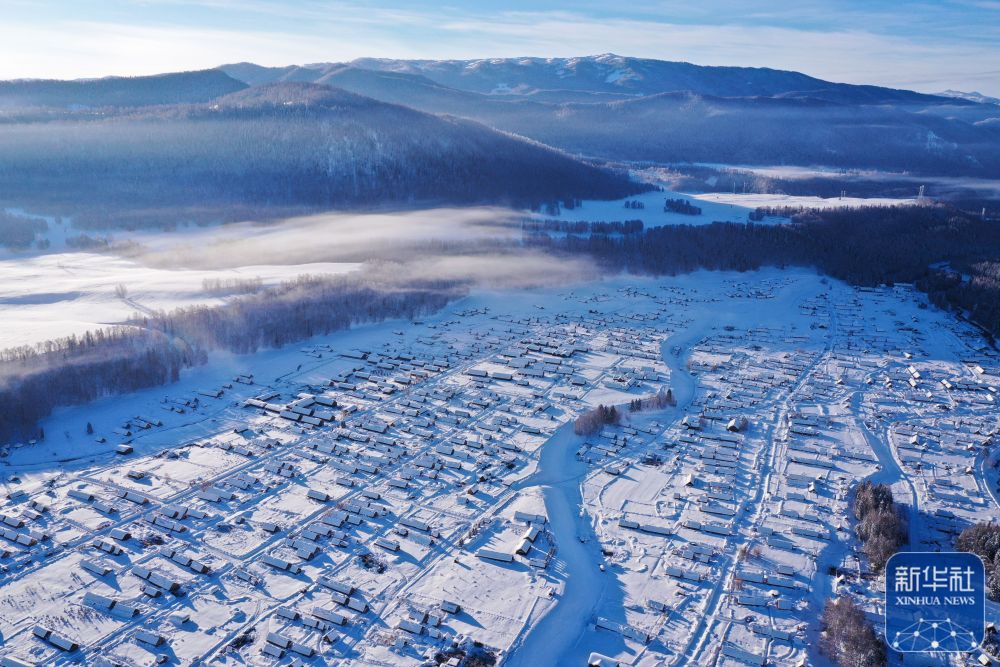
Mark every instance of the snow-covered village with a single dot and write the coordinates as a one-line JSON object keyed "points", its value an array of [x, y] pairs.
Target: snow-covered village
{"points": [[629, 472]]}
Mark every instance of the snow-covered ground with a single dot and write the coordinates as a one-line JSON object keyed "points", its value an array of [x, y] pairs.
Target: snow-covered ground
{"points": [[652, 212], [752, 201], [437, 495], [47, 296], [935, 185], [715, 207]]}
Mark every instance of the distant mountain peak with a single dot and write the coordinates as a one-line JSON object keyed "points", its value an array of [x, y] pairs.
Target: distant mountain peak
{"points": [[973, 96]]}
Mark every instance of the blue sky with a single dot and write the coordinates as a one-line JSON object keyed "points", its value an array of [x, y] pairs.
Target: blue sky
{"points": [[925, 46]]}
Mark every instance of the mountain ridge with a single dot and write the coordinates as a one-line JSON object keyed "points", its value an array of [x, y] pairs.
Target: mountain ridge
{"points": [[807, 122], [286, 144], [169, 88], [612, 74]]}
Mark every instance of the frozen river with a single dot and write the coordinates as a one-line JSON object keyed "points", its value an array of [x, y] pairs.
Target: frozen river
{"points": [[558, 638]]}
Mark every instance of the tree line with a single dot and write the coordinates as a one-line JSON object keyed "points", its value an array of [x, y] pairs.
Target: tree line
{"points": [[983, 539], [682, 206], [301, 308], [73, 370], [593, 420], [19, 232], [583, 226], [848, 637], [661, 399]]}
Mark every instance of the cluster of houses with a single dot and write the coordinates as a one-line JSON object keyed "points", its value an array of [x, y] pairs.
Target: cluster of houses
{"points": [[385, 462], [752, 485]]}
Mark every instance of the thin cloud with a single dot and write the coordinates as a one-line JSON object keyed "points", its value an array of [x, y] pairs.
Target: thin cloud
{"points": [[331, 237]]}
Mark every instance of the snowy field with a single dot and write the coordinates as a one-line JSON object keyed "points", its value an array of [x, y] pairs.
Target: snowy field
{"points": [[715, 207], [652, 212], [986, 187], [47, 296], [752, 201], [406, 490]]}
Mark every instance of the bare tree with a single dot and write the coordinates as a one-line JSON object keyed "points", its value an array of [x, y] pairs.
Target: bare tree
{"points": [[848, 637], [882, 526]]}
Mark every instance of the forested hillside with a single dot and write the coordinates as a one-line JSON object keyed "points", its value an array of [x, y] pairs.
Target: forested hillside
{"points": [[282, 145], [686, 127], [175, 88]]}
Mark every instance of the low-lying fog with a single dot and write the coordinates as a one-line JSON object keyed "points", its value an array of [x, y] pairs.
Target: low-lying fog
{"points": [[45, 296], [330, 237]]}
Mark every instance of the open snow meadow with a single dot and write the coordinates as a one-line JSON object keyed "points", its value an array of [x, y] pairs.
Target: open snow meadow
{"points": [[63, 291], [709, 207]]}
